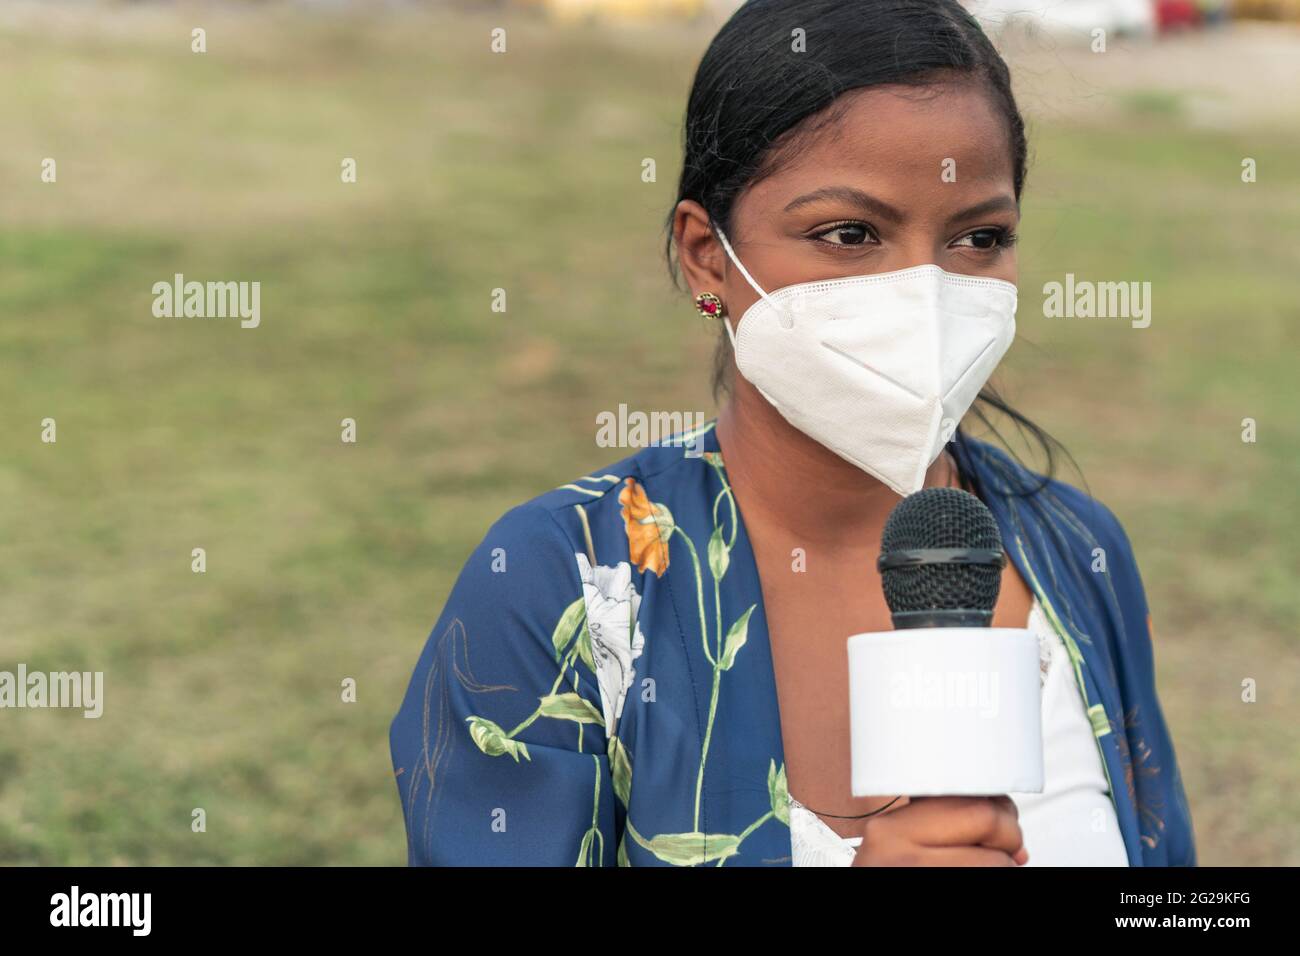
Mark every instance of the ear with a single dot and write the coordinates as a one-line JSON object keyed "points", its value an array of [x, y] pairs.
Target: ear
{"points": [[701, 256]]}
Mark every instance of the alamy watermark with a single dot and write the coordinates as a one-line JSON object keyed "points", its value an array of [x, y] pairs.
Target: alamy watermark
{"points": [[208, 300], [130, 910], [920, 689], [1084, 299], [637, 429], [82, 690]]}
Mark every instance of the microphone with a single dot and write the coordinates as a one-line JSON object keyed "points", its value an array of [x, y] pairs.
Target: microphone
{"points": [[941, 560], [945, 704]]}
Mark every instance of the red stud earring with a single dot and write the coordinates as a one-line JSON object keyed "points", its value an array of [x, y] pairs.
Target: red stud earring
{"points": [[709, 305]]}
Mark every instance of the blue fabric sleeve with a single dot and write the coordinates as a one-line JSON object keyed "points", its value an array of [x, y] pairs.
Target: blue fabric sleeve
{"points": [[499, 751]]}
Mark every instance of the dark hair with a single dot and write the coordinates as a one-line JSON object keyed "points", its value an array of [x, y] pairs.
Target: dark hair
{"points": [[752, 87]]}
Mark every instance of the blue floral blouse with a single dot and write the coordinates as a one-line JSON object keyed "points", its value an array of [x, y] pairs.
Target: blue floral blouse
{"points": [[599, 688]]}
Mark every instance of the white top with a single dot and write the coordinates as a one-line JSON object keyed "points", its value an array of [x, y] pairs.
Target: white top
{"points": [[1071, 823]]}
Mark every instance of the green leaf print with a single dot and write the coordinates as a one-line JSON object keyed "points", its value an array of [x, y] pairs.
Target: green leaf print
{"points": [[494, 741], [663, 519], [779, 792], [572, 618], [620, 766], [719, 554], [690, 849], [592, 849], [584, 647], [570, 707], [736, 638]]}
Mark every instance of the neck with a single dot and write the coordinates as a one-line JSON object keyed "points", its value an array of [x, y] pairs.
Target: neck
{"points": [[786, 480]]}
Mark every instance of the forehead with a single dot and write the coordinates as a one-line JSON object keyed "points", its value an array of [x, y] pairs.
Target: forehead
{"points": [[896, 141]]}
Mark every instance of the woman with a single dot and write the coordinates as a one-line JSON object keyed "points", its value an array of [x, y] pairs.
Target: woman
{"points": [[646, 666]]}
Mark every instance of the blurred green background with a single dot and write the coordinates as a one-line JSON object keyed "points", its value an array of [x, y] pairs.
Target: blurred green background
{"points": [[523, 171]]}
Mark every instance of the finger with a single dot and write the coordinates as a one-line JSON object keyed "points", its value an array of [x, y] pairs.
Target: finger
{"points": [[1020, 856], [963, 821], [882, 848], [1005, 801], [964, 856]]}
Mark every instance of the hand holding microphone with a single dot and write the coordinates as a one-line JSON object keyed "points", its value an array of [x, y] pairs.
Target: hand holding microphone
{"points": [[944, 708], [945, 831]]}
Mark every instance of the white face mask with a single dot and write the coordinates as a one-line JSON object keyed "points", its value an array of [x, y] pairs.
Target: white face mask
{"points": [[878, 368]]}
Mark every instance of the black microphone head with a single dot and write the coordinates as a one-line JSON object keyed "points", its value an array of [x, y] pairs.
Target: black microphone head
{"points": [[941, 560]]}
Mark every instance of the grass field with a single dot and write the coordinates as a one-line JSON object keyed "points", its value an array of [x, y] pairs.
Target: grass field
{"points": [[476, 171]]}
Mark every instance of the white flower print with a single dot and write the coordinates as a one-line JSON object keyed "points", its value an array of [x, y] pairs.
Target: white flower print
{"points": [[616, 638]]}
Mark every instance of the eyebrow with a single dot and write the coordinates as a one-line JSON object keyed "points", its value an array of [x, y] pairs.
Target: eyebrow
{"points": [[857, 197], [996, 204], [849, 194]]}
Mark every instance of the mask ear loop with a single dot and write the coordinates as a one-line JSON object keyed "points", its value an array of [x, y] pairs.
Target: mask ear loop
{"points": [[754, 285]]}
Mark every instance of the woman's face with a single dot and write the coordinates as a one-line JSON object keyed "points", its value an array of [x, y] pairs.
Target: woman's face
{"points": [[907, 177]]}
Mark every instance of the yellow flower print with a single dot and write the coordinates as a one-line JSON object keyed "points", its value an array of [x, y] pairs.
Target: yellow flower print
{"points": [[649, 526]]}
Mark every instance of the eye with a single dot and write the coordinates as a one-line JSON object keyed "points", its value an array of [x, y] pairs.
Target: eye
{"points": [[845, 234], [987, 239]]}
